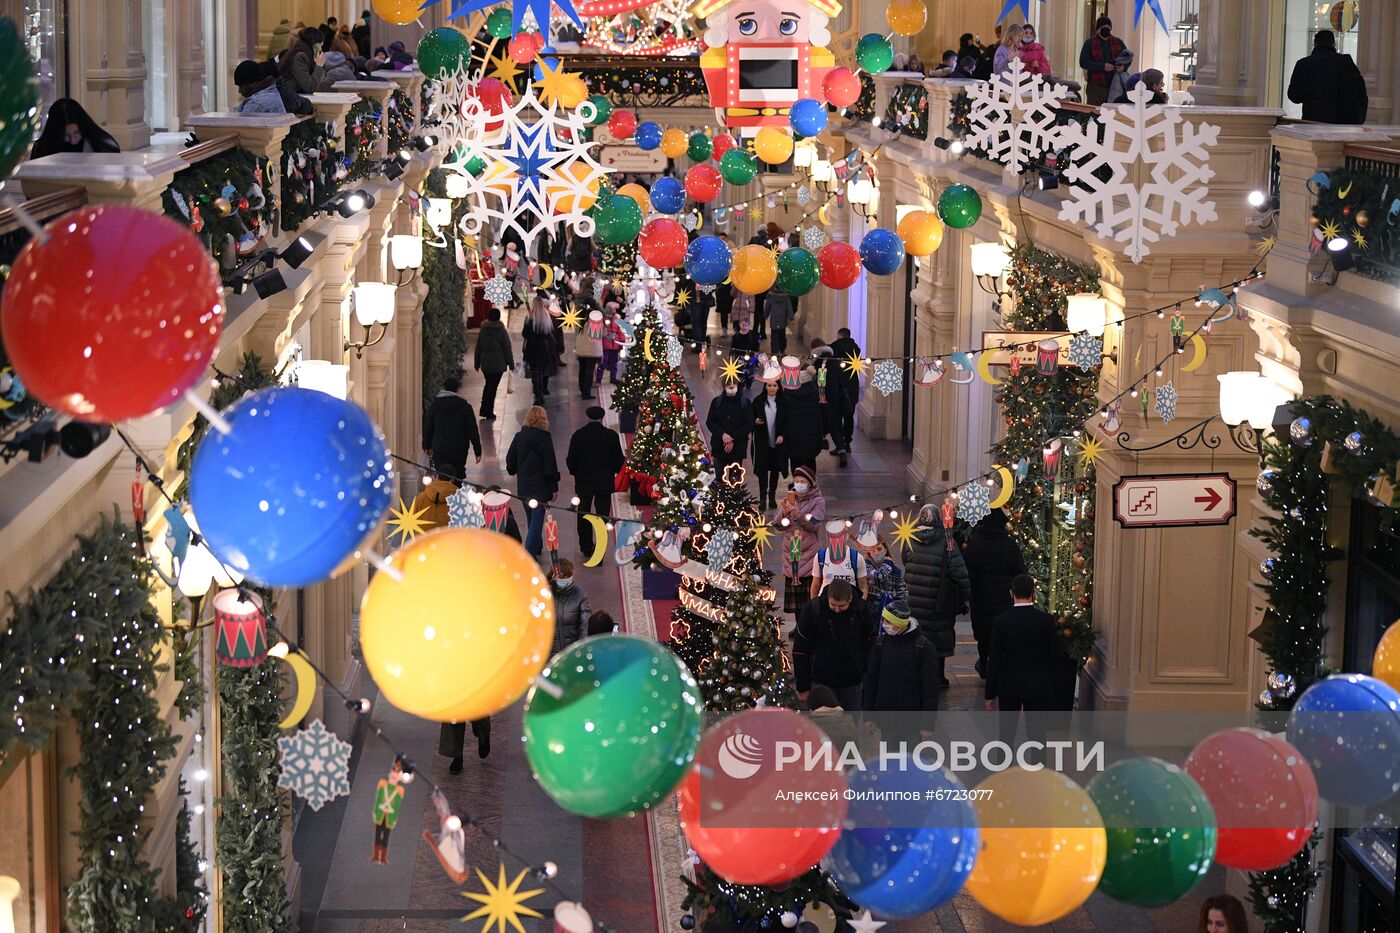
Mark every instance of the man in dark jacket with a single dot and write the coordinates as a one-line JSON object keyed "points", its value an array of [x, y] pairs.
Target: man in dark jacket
{"points": [[1099, 59], [361, 34], [594, 457], [1026, 652], [902, 675], [291, 97], [993, 561], [805, 435], [932, 559], [830, 643], [831, 394], [493, 357], [844, 348], [449, 428], [729, 422], [1328, 84]]}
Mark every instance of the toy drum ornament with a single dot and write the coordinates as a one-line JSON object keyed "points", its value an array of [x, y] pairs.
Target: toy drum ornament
{"points": [[240, 629], [571, 918], [791, 372], [930, 373], [495, 505], [771, 371], [1047, 356], [1050, 455], [594, 330]]}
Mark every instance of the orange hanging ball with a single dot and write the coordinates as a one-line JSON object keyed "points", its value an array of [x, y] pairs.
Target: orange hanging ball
{"points": [[755, 269], [921, 232], [398, 12], [674, 143]]}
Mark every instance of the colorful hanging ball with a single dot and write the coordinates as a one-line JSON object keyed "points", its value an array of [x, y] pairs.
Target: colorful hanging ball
{"points": [[703, 182], [881, 252], [674, 143], [442, 51], [921, 233], [663, 242], [403, 12], [495, 96], [574, 91], [300, 482], [798, 271], [722, 143], [617, 219], [648, 133], [623, 124], [808, 117], [498, 24], [841, 87], [707, 260], [602, 109], [839, 264], [754, 269], [637, 193], [624, 732], [959, 206], [738, 166], [1385, 663], [19, 99], [523, 47], [874, 53], [114, 315], [773, 144], [1348, 728], [699, 147], [1160, 829], [439, 657], [667, 195], [906, 17], [1264, 796]]}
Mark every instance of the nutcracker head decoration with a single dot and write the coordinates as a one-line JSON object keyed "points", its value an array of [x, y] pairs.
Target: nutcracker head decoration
{"points": [[762, 56]]}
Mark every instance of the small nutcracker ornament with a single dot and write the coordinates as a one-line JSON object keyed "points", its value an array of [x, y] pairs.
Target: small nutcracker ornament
{"points": [[1178, 329], [388, 797]]}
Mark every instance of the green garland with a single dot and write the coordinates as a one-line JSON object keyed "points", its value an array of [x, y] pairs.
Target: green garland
{"points": [[1364, 217], [309, 161], [362, 130], [1280, 897], [1036, 407], [907, 111], [627, 397], [400, 120], [197, 198], [864, 107], [124, 737], [444, 324]]}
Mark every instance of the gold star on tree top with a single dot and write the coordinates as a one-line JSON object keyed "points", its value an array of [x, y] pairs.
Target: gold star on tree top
{"points": [[571, 320], [1330, 230], [1090, 449], [731, 370], [905, 528], [504, 67], [502, 903], [854, 364], [553, 83], [407, 522], [762, 532], [682, 298]]}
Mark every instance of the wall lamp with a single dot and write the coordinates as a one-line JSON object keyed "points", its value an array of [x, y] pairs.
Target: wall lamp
{"points": [[406, 256], [374, 306], [297, 252], [989, 262], [349, 203]]}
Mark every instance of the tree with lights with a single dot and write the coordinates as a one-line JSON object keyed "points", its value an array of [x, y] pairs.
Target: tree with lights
{"points": [[667, 456], [636, 370]]}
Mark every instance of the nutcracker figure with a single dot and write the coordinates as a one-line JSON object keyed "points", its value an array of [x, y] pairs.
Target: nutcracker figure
{"points": [[388, 797]]}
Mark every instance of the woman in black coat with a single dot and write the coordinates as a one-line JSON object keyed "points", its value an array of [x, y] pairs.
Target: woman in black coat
{"points": [[804, 432], [539, 350], [993, 558], [531, 461], [69, 128], [769, 410], [925, 562]]}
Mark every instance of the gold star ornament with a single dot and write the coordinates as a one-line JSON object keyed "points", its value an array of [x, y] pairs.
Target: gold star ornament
{"points": [[905, 528], [1090, 450], [1330, 231], [571, 320], [731, 370], [682, 298], [853, 363], [407, 522], [504, 67], [1266, 244], [502, 903], [553, 84], [761, 532]]}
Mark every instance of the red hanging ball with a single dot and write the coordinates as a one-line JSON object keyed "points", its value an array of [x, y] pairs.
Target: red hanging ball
{"points": [[838, 265], [522, 47], [663, 243], [703, 182], [622, 124]]}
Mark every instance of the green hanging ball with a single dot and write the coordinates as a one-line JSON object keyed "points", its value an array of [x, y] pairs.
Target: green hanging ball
{"points": [[798, 271], [618, 219], [699, 147], [623, 733], [602, 109], [442, 51], [498, 24], [1161, 831], [874, 53], [738, 166], [19, 99], [476, 165], [959, 206]]}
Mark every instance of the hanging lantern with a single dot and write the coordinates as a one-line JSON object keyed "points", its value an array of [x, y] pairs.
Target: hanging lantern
{"points": [[1047, 356], [240, 629], [792, 372]]}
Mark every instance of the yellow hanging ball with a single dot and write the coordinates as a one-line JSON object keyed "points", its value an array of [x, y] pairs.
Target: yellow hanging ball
{"points": [[1043, 847], [637, 193], [773, 145], [674, 143], [574, 91], [563, 194], [1385, 665], [754, 270], [465, 630], [398, 12], [921, 232], [906, 17]]}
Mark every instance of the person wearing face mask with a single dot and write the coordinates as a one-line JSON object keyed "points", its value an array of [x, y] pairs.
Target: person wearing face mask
{"points": [[769, 460], [902, 674], [804, 509], [1101, 58], [571, 608], [729, 422], [68, 128], [884, 580], [1032, 53], [830, 645], [839, 561]]}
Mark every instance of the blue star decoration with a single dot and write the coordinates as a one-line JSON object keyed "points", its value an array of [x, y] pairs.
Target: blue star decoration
{"points": [[1156, 7], [315, 765], [531, 151], [518, 7], [1025, 6]]}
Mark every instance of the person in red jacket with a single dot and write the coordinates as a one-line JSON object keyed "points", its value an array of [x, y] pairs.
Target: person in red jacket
{"points": [[1099, 59], [1033, 57]]}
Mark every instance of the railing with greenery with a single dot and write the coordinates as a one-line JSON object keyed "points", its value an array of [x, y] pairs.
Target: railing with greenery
{"points": [[400, 120], [310, 157], [864, 107], [907, 111], [224, 197], [960, 126], [363, 127], [629, 83], [1361, 203]]}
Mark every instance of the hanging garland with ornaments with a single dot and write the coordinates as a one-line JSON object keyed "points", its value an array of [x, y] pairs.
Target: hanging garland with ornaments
{"points": [[309, 177], [400, 120], [907, 111], [363, 128], [227, 201], [1362, 208]]}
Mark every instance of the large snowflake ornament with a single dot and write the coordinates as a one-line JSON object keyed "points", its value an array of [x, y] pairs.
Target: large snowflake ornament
{"points": [[675, 353], [497, 290], [464, 509], [813, 238], [888, 378], [315, 765], [974, 502], [1158, 167], [1085, 351], [1165, 403], [720, 548], [1013, 117]]}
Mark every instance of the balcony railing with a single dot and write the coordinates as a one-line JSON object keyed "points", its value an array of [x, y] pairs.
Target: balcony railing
{"points": [[628, 82], [225, 196], [310, 159], [1361, 202], [907, 111], [364, 125]]}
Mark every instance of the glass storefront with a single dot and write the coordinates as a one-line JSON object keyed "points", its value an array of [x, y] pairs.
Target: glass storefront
{"points": [[1302, 20], [42, 23]]}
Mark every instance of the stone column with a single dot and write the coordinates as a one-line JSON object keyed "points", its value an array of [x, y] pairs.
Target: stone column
{"points": [[189, 59], [332, 108], [411, 83], [111, 64], [1231, 72]]}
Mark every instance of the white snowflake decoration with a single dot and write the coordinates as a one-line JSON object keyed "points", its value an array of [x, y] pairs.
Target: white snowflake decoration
{"points": [[813, 238], [690, 221], [1165, 402], [1013, 117], [720, 548], [1174, 155], [674, 352], [464, 509], [707, 287], [498, 291], [888, 377], [974, 502], [804, 194], [599, 286], [1085, 351], [315, 765]]}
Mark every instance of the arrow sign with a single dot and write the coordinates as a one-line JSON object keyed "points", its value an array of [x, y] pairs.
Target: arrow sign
{"points": [[1175, 499]]}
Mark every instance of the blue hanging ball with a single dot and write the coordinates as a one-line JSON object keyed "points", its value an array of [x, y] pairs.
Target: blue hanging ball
{"points": [[648, 135], [808, 116], [667, 195], [1348, 728], [298, 484], [707, 260], [881, 252]]}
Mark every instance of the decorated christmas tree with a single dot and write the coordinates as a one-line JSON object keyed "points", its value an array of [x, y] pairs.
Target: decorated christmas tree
{"points": [[636, 368], [619, 261], [667, 438], [747, 662]]}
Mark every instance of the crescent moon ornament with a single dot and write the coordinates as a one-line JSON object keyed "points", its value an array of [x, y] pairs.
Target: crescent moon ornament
{"points": [[821, 214], [306, 688], [1198, 355], [547, 272], [600, 541], [1008, 486], [984, 370], [646, 347]]}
